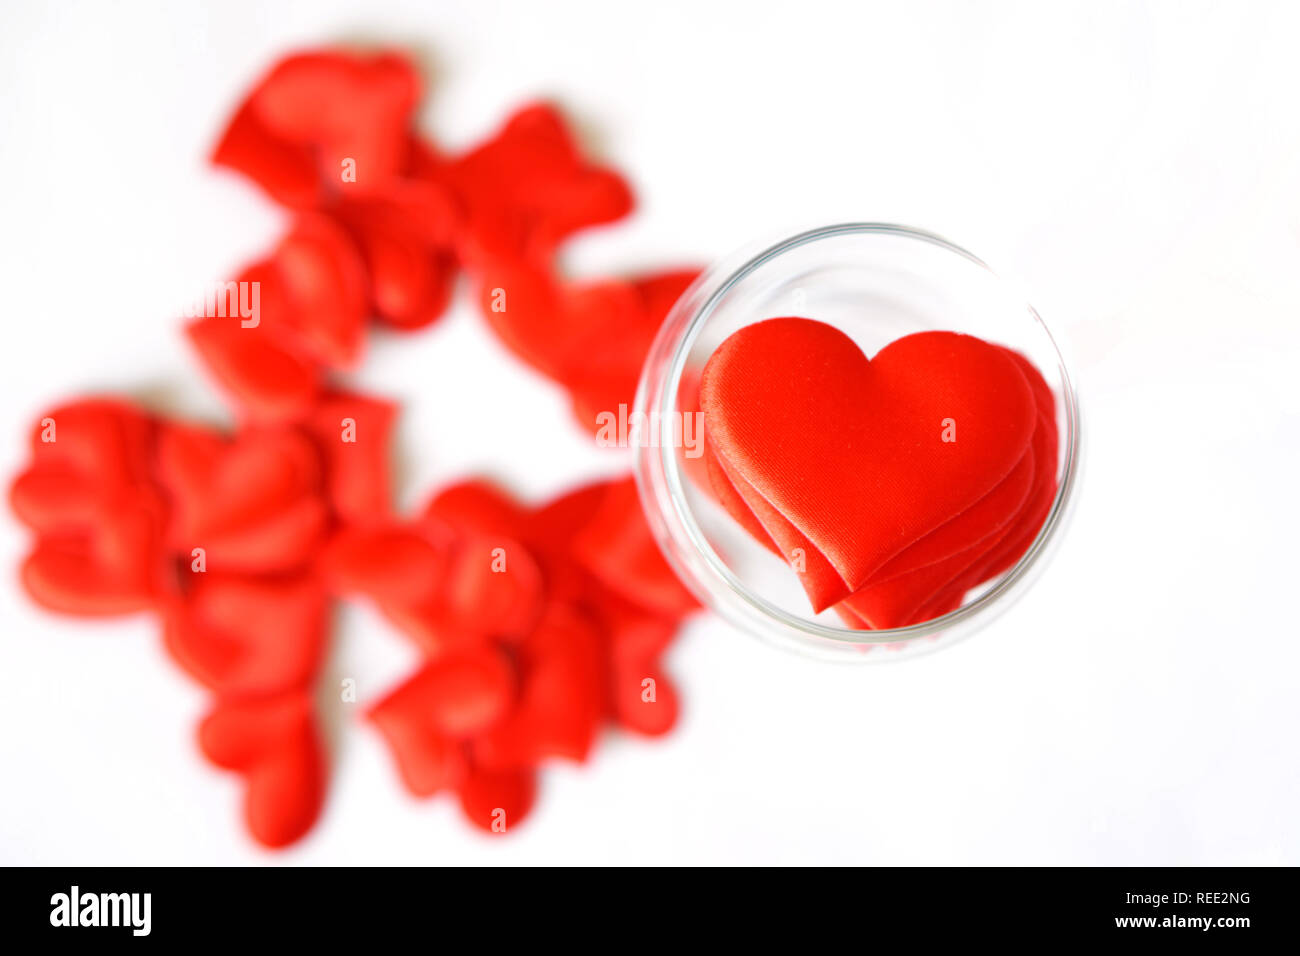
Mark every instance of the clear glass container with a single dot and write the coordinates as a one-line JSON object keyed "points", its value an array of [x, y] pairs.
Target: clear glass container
{"points": [[875, 282]]}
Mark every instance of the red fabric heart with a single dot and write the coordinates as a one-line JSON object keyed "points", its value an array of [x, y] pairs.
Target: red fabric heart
{"points": [[545, 321], [458, 696], [527, 189], [312, 305], [493, 587], [444, 587], [477, 506], [347, 107], [609, 376], [617, 548], [353, 433], [561, 699], [940, 588], [951, 546], [270, 379], [591, 337], [895, 601], [273, 743], [112, 569], [242, 636], [254, 503], [315, 110], [427, 761], [293, 135], [395, 566], [108, 438], [286, 170], [324, 291], [849, 452], [634, 610], [89, 497], [636, 641], [497, 800], [406, 235], [1028, 524]]}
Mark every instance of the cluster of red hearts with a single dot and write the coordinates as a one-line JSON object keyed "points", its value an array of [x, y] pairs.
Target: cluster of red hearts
{"points": [[538, 626], [893, 486]]}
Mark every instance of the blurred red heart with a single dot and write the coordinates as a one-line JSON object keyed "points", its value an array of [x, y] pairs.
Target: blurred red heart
{"points": [[254, 503], [248, 636], [353, 433], [527, 188], [273, 743], [498, 800], [315, 111], [561, 697], [113, 568], [617, 548]]}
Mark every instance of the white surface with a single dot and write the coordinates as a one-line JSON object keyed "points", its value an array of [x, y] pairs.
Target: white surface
{"points": [[1137, 167]]}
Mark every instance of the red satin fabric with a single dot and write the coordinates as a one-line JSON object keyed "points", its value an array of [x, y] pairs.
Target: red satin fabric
{"points": [[840, 463]]}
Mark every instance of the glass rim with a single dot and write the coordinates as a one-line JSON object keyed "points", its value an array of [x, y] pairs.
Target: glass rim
{"points": [[660, 481]]}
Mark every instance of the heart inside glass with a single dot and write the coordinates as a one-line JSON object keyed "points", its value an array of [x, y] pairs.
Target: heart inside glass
{"points": [[876, 283]]}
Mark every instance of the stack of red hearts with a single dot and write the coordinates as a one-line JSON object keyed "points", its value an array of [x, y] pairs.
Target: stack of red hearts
{"points": [[537, 627], [893, 486]]}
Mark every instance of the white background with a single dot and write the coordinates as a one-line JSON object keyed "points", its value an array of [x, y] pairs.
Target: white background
{"points": [[1135, 166]]}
